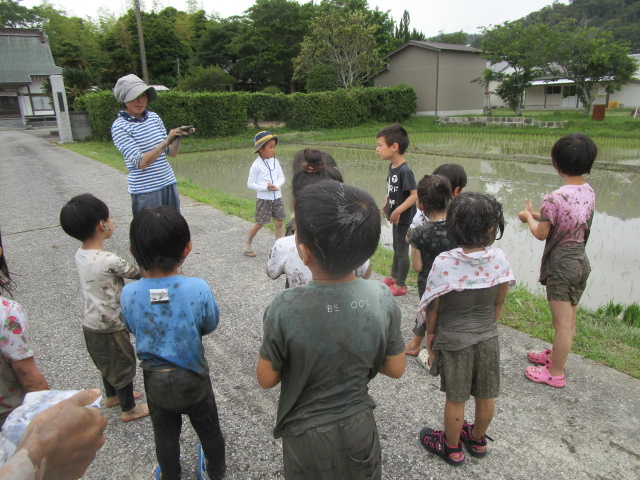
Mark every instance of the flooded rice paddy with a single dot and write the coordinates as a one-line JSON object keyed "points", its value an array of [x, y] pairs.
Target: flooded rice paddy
{"points": [[613, 246]]}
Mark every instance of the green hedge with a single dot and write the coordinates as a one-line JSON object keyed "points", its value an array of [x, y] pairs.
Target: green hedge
{"points": [[102, 108], [213, 114], [226, 114], [343, 108]]}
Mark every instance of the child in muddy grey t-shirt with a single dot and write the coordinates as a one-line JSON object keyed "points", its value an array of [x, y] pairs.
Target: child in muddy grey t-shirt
{"points": [[102, 275], [327, 339]]}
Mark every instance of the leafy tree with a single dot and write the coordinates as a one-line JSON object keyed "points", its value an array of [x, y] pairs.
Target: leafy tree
{"points": [[342, 39], [14, 15], [403, 34], [75, 42], [120, 42], [522, 47], [621, 17], [164, 49], [268, 43], [214, 46], [589, 56], [485, 80], [205, 79], [76, 83], [402, 30], [457, 38], [384, 26]]}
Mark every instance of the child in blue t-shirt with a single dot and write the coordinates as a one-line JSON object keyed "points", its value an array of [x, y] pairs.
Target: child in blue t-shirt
{"points": [[169, 314]]}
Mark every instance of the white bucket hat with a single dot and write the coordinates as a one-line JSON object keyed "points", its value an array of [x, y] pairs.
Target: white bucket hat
{"points": [[130, 87]]}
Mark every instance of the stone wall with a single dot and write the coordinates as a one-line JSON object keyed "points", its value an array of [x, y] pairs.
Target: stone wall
{"points": [[516, 122]]}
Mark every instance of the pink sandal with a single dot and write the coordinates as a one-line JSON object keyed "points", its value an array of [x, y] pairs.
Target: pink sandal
{"points": [[543, 375], [541, 358]]}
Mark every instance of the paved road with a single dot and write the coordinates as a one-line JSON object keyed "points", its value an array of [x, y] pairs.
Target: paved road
{"points": [[590, 429]]}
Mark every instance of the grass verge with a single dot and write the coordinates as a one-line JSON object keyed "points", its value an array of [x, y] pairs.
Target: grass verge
{"points": [[601, 335]]}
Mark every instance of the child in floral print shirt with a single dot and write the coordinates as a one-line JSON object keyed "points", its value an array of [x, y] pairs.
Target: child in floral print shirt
{"points": [[18, 371]]}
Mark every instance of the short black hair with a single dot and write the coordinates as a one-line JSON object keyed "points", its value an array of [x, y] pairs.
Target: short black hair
{"points": [[340, 225], [434, 193], [158, 237], [474, 219], [395, 134], [80, 216], [454, 172], [574, 154], [313, 166]]}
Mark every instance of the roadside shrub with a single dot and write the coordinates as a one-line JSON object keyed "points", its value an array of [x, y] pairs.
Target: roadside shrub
{"points": [[265, 106], [271, 89], [322, 78], [102, 108], [205, 79], [349, 108], [325, 110], [394, 104]]}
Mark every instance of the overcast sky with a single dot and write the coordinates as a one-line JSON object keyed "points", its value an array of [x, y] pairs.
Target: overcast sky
{"points": [[430, 17]]}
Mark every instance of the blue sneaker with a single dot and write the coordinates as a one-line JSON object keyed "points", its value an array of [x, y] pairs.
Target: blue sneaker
{"points": [[202, 468]]}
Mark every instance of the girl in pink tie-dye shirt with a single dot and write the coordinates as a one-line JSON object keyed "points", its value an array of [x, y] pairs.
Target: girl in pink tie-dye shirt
{"points": [[564, 221]]}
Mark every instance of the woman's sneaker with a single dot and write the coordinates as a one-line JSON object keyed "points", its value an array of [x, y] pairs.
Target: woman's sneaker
{"points": [[477, 448]]}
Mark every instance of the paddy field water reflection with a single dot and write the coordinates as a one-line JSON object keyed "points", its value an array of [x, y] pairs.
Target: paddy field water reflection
{"points": [[613, 246]]}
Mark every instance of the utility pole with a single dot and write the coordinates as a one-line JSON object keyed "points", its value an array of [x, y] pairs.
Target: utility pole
{"points": [[143, 55]]}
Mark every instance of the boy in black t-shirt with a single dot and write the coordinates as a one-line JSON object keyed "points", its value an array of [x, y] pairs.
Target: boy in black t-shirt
{"points": [[400, 203]]}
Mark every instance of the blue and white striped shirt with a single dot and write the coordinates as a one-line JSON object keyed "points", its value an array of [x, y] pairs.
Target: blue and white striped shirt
{"points": [[135, 137]]}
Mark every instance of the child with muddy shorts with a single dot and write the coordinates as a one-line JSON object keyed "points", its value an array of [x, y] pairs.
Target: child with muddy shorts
{"points": [[327, 339], [462, 302], [101, 273], [564, 221]]}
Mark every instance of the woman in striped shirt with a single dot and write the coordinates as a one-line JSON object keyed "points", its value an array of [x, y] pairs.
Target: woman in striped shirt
{"points": [[142, 139]]}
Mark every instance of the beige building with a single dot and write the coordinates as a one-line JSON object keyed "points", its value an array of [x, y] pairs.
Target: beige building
{"points": [[441, 75]]}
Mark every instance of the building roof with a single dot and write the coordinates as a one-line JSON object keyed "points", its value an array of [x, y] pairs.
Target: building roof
{"points": [[437, 47], [500, 67], [25, 52]]}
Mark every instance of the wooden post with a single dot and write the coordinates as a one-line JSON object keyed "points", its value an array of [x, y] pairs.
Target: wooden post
{"points": [[143, 55]]}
